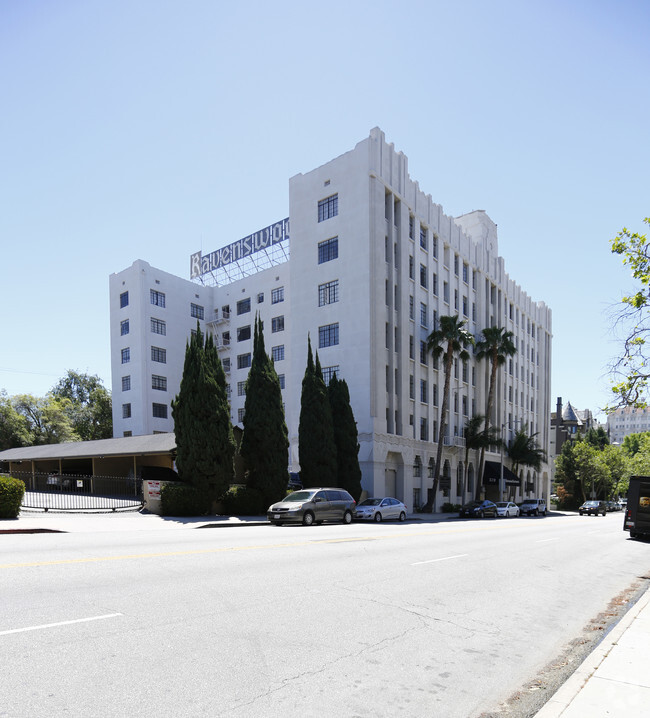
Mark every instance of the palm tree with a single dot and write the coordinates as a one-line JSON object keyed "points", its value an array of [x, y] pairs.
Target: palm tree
{"points": [[523, 449], [497, 346], [477, 438], [450, 339]]}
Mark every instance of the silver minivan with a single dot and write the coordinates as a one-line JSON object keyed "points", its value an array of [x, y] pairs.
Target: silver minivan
{"points": [[310, 506]]}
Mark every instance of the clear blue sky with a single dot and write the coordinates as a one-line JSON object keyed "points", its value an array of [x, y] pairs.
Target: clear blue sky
{"points": [[151, 129]]}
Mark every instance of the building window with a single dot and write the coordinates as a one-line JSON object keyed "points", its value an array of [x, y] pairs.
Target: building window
{"points": [[435, 395], [124, 300], [277, 353], [445, 292], [423, 276], [424, 430], [243, 361], [243, 333], [240, 416], [417, 467], [241, 388], [328, 207], [456, 264], [465, 273], [423, 314], [328, 250], [281, 380], [411, 267], [127, 433], [423, 352], [196, 311], [126, 383], [423, 237], [434, 286], [411, 226], [328, 293], [328, 335], [465, 307], [158, 354], [277, 324], [424, 391], [157, 298], [244, 306], [124, 327], [158, 326], [277, 295], [411, 347], [126, 411], [159, 411], [159, 382], [126, 355], [226, 364], [328, 372], [260, 297]]}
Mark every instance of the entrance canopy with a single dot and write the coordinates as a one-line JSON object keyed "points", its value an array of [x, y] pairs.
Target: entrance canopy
{"points": [[492, 474]]}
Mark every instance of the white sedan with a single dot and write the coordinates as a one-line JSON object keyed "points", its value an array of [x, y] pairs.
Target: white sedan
{"points": [[507, 509], [380, 509]]}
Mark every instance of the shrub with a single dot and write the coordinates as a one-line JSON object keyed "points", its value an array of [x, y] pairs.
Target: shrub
{"points": [[244, 501], [449, 508], [181, 500], [11, 496]]}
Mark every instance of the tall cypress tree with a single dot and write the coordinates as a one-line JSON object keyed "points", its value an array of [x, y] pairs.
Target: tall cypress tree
{"points": [[316, 446], [204, 441], [345, 437], [265, 443]]}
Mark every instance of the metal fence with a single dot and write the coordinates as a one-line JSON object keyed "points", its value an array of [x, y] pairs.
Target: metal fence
{"points": [[71, 492]]}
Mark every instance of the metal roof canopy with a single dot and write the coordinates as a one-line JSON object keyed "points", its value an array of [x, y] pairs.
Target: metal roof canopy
{"points": [[101, 448]]}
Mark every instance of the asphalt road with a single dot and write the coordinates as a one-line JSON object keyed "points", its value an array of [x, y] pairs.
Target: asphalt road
{"points": [[364, 620]]}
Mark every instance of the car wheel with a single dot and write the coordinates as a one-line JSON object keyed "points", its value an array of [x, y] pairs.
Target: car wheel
{"points": [[277, 523], [347, 517], [536, 513], [308, 518], [378, 517], [402, 516], [480, 514]]}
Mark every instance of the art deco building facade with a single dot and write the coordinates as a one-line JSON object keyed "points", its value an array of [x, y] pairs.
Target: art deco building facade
{"points": [[364, 265]]}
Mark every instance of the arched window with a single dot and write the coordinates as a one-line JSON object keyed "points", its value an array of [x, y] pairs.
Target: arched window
{"points": [[417, 467], [459, 479]]}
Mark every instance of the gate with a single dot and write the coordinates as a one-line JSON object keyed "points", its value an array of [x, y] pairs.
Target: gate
{"points": [[73, 492]]}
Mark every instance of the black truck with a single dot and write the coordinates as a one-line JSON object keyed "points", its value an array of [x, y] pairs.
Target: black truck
{"points": [[637, 513]]}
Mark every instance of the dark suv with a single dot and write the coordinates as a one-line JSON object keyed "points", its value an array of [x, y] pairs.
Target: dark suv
{"points": [[593, 507], [310, 506]]}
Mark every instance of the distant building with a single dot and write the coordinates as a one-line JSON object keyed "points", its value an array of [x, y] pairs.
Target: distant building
{"points": [[364, 265], [625, 421], [566, 423]]}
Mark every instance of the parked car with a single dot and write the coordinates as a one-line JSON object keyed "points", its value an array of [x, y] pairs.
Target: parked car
{"points": [[637, 510], [593, 508], [612, 506], [313, 506], [479, 509], [380, 510], [533, 507], [507, 509]]}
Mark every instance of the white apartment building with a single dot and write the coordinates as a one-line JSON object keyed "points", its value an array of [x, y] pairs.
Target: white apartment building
{"points": [[364, 265], [627, 420]]}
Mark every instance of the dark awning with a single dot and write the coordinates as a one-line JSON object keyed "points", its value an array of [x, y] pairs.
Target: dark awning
{"points": [[492, 474]]}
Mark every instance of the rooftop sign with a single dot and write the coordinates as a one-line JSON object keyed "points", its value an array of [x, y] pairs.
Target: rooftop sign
{"points": [[201, 264]]}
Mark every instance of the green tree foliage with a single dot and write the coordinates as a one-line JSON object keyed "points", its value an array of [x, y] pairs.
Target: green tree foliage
{"points": [[631, 368], [597, 438], [47, 418], [524, 450], [316, 446], [495, 346], [345, 437], [265, 442], [449, 340], [90, 407], [14, 429], [204, 442]]}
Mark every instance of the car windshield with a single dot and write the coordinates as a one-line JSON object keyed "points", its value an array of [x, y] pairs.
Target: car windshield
{"points": [[299, 496], [370, 502], [591, 503], [502, 504], [471, 504]]}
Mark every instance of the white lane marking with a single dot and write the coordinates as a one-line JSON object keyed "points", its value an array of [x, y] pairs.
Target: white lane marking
{"points": [[60, 623], [446, 558], [545, 540]]}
